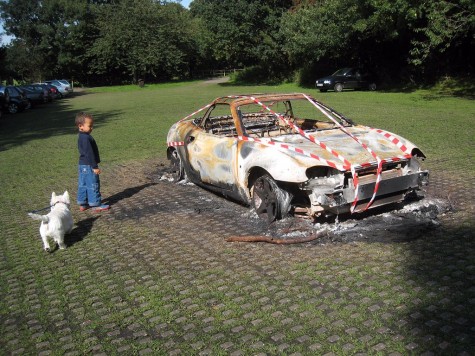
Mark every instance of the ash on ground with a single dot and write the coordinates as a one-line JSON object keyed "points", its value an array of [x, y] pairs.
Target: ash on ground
{"points": [[393, 223]]}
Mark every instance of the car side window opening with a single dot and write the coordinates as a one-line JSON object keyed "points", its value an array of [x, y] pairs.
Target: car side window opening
{"points": [[219, 121]]}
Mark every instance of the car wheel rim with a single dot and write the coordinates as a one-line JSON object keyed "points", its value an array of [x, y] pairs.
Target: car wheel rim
{"points": [[12, 109], [265, 199]]}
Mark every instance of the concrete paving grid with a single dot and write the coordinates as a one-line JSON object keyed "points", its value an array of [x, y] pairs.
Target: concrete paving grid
{"points": [[155, 276]]}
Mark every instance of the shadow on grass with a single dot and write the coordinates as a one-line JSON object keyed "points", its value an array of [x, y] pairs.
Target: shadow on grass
{"points": [[82, 229], [44, 121]]}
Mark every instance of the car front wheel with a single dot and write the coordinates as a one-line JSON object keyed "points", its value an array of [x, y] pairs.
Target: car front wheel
{"points": [[338, 87], [268, 199], [13, 108], [177, 169]]}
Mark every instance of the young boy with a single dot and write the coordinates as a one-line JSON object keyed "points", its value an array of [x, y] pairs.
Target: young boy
{"points": [[89, 194]]}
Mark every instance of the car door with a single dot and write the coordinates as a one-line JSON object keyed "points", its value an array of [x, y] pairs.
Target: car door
{"points": [[351, 79], [212, 152]]}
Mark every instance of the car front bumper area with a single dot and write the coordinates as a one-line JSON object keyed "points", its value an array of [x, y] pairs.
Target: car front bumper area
{"points": [[323, 85], [392, 188]]}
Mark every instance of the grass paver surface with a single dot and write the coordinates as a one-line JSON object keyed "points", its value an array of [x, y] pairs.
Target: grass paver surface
{"points": [[156, 276]]}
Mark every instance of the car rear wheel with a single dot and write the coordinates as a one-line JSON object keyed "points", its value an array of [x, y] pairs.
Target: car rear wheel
{"points": [[372, 87], [29, 105], [268, 199], [323, 90], [338, 87], [13, 108], [176, 167]]}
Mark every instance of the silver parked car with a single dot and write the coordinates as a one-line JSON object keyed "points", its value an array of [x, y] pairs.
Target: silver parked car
{"points": [[63, 86]]}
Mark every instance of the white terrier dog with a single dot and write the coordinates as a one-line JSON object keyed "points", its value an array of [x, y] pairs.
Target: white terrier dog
{"points": [[57, 223]]}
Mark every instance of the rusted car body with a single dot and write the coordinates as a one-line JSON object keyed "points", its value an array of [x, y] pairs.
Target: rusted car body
{"points": [[289, 153]]}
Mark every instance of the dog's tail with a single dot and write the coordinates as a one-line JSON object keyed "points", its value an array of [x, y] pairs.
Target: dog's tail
{"points": [[43, 218]]}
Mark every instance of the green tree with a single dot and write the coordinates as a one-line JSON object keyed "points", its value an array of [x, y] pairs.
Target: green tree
{"points": [[42, 29], [237, 33], [140, 38], [444, 27]]}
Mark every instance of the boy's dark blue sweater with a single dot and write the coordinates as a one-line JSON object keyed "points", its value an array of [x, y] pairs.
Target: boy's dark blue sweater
{"points": [[88, 151]]}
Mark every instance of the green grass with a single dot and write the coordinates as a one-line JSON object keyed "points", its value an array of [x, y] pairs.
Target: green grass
{"points": [[38, 155], [132, 123]]}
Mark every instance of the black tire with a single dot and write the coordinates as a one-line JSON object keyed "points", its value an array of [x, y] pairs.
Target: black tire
{"points": [[176, 167], [13, 108], [269, 200], [338, 87], [323, 90], [372, 87], [29, 105]]}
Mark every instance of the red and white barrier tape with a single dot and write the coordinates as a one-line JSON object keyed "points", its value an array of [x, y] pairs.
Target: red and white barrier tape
{"points": [[346, 163], [271, 143], [175, 143], [391, 138]]}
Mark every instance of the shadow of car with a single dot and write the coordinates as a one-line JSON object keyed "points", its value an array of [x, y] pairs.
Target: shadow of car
{"points": [[347, 78], [13, 100]]}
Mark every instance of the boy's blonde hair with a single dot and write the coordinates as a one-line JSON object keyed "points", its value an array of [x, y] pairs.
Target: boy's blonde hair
{"points": [[81, 118]]}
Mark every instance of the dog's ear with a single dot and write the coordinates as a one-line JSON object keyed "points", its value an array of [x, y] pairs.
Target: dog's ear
{"points": [[66, 196], [53, 198]]}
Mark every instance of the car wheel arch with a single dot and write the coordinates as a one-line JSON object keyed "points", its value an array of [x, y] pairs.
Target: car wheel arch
{"points": [[177, 167], [253, 174]]}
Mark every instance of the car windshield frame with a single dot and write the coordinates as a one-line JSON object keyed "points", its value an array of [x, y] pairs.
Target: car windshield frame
{"points": [[341, 72]]}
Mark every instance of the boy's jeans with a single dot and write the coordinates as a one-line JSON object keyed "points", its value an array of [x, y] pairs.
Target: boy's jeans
{"points": [[88, 187]]}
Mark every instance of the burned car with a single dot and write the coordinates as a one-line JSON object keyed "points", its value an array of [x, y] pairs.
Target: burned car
{"points": [[291, 154]]}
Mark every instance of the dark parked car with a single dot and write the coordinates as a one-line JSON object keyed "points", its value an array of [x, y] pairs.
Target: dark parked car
{"points": [[347, 78], [13, 100], [47, 96], [35, 95]]}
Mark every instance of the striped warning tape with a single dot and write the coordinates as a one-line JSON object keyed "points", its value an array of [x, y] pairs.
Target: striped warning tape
{"points": [[346, 163], [175, 143], [271, 143]]}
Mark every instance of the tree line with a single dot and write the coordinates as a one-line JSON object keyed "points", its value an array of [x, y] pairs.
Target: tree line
{"points": [[103, 42]]}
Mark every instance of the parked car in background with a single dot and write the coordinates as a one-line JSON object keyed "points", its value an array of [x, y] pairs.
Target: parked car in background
{"points": [[53, 92], [47, 95], [63, 86], [289, 153], [347, 78], [13, 100], [35, 95]]}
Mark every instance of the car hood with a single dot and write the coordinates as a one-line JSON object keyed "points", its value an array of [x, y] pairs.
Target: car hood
{"points": [[346, 146], [330, 78]]}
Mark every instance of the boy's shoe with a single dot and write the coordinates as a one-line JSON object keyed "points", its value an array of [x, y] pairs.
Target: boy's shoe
{"points": [[102, 207], [83, 207]]}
